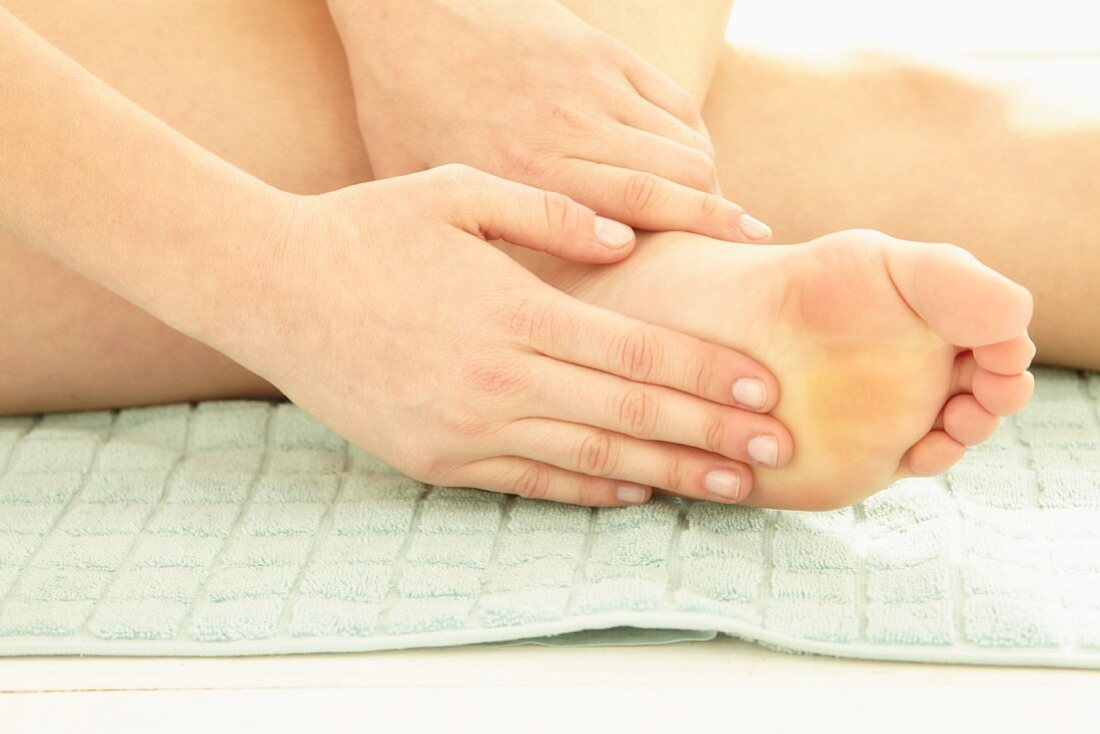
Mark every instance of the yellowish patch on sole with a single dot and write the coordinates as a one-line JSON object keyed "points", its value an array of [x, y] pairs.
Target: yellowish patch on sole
{"points": [[853, 413]]}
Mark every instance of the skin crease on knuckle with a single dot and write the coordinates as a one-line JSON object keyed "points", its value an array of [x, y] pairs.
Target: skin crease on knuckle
{"points": [[562, 215], [702, 369], [715, 433], [635, 411], [641, 192], [635, 354], [533, 483], [598, 454]]}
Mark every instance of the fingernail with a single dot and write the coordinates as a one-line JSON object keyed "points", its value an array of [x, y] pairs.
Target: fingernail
{"points": [[613, 234], [764, 450], [723, 483], [631, 494], [751, 392], [754, 228]]}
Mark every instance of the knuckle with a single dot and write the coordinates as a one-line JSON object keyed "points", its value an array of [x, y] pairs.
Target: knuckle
{"points": [[526, 164], [569, 119], [687, 106], [674, 473], [700, 169], [704, 375], [641, 191], [533, 483], [532, 322], [714, 437], [636, 354], [870, 236], [561, 214], [635, 411], [497, 378], [453, 174], [597, 454], [709, 205]]}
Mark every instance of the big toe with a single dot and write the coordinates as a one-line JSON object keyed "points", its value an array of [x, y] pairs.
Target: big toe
{"points": [[963, 301]]}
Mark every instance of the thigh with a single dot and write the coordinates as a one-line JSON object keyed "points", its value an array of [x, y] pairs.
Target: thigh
{"points": [[262, 83]]}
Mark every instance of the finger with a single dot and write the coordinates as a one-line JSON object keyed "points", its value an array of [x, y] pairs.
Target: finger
{"points": [[535, 480], [640, 113], [655, 413], [629, 147], [647, 201], [718, 183], [564, 328], [659, 88], [594, 452], [496, 208]]}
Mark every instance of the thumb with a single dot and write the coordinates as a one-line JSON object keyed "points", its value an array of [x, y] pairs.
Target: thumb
{"points": [[546, 221]]}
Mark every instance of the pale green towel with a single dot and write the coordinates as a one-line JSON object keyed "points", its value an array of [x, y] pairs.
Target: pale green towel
{"points": [[246, 527]]}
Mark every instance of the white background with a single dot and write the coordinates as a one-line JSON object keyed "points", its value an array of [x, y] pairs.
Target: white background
{"points": [[979, 27]]}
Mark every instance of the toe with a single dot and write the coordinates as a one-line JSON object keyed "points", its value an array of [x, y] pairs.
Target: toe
{"points": [[933, 454], [966, 421], [1002, 394], [1008, 357], [964, 302], [963, 377]]}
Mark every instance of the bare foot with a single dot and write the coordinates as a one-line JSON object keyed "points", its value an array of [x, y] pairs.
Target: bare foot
{"points": [[891, 356]]}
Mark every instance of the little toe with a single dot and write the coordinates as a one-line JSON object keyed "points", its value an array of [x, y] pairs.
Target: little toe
{"points": [[932, 455], [966, 421], [1002, 394], [1008, 357]]}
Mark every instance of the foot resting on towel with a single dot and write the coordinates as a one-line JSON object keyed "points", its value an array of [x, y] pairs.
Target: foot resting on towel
{"points": [[892, 356]]}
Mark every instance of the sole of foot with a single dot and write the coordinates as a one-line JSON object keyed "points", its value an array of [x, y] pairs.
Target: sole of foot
{"points": [[891, 356]]}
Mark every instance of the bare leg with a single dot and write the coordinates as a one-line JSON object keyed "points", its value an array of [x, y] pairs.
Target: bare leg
{"points": [[929, 153], [262, 83]]}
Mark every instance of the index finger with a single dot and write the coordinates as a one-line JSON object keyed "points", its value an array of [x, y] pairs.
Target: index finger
{"points": [[570, 330], [648, 201]]}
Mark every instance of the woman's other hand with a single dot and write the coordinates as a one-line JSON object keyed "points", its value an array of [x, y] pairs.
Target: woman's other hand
{"points": [[530, 92], [383, 310]]}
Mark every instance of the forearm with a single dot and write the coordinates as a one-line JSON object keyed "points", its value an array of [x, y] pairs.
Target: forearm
{"points": [[682, 39], [93, 180]]}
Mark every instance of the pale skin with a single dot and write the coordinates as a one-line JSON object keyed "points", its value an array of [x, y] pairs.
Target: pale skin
{"points": [[293, 157]]}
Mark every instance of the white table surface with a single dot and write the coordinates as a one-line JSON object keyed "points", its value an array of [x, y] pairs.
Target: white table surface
{"points": [[719, 685]]}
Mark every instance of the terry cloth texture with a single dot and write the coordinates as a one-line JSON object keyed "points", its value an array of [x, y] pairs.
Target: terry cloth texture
{"points": [[233, 528]]}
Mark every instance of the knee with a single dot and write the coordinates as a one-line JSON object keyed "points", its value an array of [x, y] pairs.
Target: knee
{"points": [[932, 83]]}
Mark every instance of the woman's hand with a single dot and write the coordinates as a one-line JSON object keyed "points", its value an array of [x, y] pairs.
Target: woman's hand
{"points": [[530, 92], [382, 309]]}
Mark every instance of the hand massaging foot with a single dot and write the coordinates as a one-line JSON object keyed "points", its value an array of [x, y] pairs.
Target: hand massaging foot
{"points": [[891, 356]]}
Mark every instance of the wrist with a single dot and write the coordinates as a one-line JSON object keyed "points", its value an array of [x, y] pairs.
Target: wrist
{"points": [[212, 289]]}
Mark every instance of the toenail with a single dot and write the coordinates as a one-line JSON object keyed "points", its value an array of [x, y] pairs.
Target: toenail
{"points": [[764, 450], [723, 483], [631, 494], [751, 392], [753, 227]]}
